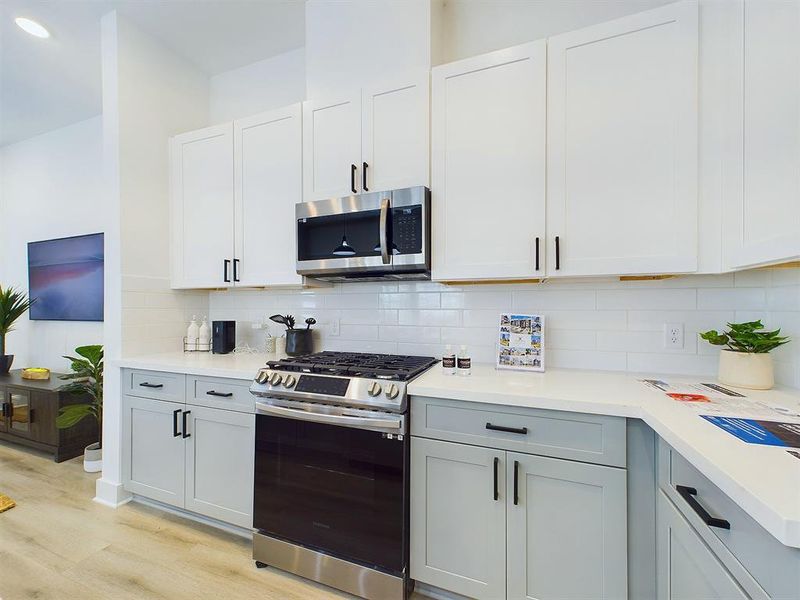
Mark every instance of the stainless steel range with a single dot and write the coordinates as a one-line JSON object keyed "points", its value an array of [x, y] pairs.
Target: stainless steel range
{"points": [[331, 469]]}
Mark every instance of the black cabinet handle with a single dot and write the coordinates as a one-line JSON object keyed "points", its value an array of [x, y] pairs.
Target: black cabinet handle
{"points": [[3, 409], [353, 170], [516, 482], [225, 264], [364, 177], [558, 253], [236, 269], [537, 253], [496, 490], [154, 386], [175, 432], [519, 430], [220, 394], [688, 494], [186, 433]]}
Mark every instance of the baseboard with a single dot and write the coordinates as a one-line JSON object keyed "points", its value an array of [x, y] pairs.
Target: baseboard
{"points": [[429, 591], [111, 494], [234, 529]]}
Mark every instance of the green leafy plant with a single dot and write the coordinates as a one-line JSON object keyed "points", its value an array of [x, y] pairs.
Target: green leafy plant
{"points": [[746, 337], [86, 379], [13, 304]]}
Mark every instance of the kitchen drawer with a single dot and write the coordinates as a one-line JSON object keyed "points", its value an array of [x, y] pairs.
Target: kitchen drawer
{"points": [[576, 436], [217, 392], [154, 384], [774, 566]]}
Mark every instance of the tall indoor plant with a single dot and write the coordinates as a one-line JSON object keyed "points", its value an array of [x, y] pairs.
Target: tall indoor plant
{"points": [[745, 360], [86, 379], [13, 304]]}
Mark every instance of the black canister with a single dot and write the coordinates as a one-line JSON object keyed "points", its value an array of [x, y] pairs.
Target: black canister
{"points": [[299, 342]]}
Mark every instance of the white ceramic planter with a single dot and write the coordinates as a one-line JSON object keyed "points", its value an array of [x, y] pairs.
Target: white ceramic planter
{"points": [[751, 371], [93, 458]]}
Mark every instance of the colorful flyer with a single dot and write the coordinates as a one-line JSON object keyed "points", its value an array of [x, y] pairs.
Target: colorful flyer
{"points": [[759, 431], [521, 342]]}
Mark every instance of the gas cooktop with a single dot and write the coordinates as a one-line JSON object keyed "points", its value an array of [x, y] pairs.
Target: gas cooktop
{"points": [[356, 364]]}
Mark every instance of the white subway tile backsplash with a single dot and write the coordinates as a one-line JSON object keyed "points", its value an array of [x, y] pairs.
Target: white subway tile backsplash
{"points": [[732, 299], [658, 299], [783, 298], [567, 339], [672, 363], [601, 320], [441, 318], [409, 334], [537, 301], [405, 300], [499, 301], [693, 321], [586, 359]]}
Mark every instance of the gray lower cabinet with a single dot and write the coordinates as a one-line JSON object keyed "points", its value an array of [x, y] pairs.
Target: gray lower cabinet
{"points": [[567, 529], [687, 569], [153, 456], [191, 457], [219, 464], [458, 523]]}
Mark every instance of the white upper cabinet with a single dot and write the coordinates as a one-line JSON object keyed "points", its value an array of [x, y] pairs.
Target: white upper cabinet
{"points": [[202, 208], [762, 209], [268, 184], [395, 120], [488, 165], [331, 148], [371, 141], [622, 145]]}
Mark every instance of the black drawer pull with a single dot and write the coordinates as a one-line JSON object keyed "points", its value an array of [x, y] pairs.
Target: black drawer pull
{"points": [[175, 432], [154, 386], [688, 494], [220, 394], [516, 482], [519, 430], [186, 433], [558, 253], [496, 487]]}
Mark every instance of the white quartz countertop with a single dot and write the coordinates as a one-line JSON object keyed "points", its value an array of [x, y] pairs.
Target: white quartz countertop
{"points": [[236, 365], [763, 480]]}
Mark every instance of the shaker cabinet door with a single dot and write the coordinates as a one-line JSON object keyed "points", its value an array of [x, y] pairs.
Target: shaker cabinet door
{"points": [[219, 464], [622, 145], [268, 184], [458, 518], [202, 208], [332, 148], [153, 455], [686, 568], [488, 165], [395, 136], [762, 199], [567, 529]]}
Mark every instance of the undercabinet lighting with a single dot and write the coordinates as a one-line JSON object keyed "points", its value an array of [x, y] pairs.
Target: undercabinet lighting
{"points": [[32, 27]]}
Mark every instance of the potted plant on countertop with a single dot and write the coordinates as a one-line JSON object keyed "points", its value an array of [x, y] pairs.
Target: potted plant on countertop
{"points": [[745, 361], [86, 379], [13, 304]]}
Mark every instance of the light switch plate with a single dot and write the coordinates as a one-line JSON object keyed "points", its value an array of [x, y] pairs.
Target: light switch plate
{"points": [[673, 335]]}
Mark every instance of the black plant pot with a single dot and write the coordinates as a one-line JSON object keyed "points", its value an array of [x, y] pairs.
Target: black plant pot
{"points": [[5, 363], [299, 342]]}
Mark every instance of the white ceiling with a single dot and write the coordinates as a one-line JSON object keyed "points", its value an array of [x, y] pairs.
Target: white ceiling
{"points": [[46, 84]]}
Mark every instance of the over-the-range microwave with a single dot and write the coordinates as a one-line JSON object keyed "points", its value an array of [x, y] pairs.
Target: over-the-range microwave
{"points": [[368, 237]]}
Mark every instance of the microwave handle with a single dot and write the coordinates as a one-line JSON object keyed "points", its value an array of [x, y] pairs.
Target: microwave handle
{"points": [[384, 238]]}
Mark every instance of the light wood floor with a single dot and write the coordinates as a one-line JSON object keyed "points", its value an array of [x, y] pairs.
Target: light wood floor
{"points": [[58, 544]]}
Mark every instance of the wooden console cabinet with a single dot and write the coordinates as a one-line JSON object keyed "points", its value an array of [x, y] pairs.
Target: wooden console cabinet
{"points": [[28, 411]]}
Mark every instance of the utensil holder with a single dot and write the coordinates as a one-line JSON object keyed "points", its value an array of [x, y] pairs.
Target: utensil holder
{"points": [[299, 342]]}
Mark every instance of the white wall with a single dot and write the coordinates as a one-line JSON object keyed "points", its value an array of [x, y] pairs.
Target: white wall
{"points": [[590, 324], [263, 85], [52, 187], [472, 27], [353, 42]]}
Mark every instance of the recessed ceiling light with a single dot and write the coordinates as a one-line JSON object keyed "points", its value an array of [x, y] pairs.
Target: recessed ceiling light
{"points": [[32, 27]]}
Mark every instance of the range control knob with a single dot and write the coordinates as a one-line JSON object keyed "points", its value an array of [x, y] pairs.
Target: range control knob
{"points": [[392, 391], [275, 378], [262, 376], [374, 388], [289, 381]]}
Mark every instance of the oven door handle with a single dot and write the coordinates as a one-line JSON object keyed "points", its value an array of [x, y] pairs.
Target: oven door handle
{"points": [[315, 417], [384, 232]]}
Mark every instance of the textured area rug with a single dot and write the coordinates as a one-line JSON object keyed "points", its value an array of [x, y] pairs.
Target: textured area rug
{"points": [[6, 503]]}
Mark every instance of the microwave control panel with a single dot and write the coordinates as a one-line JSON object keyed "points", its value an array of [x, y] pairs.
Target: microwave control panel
{"points": [[407, 230]]}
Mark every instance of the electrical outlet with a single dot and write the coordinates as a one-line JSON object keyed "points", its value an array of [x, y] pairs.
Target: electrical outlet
{"points": [[673, 335], [334, 327]]}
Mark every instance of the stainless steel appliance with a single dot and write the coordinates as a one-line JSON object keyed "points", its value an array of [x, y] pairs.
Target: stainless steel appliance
{"points": [[331, 469], [376, 236]]}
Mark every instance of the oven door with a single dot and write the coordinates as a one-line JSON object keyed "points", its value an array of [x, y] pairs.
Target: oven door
{"points": [[336, 489], [376, 233]]}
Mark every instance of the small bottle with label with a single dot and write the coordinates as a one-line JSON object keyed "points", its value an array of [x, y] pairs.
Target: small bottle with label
{"points": [[464, 361], [449, 361], [192, 334], [204, 337]]}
